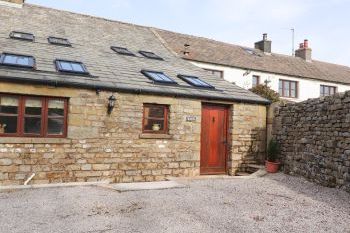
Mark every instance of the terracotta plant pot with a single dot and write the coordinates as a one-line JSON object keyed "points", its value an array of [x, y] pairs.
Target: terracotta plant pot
{"points": [[272, 167]]}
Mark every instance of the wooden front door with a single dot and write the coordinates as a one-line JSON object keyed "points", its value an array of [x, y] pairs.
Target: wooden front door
{"points": [[214, 139]]}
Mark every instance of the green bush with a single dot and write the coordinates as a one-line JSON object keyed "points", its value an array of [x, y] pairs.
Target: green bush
{"points": [[265, 91], [273, 151]]}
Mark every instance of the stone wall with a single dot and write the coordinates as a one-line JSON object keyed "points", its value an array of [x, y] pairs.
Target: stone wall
{"points": [[315, 139], [111, 147]]}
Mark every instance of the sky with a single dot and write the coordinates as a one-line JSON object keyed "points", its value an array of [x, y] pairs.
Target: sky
{"points": [[325, 23]]}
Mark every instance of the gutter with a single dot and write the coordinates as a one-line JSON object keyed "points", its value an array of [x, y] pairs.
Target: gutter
{"points": [[123, 89]]}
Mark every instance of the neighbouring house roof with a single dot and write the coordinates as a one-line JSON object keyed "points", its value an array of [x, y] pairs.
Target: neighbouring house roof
{"points": [[91, 39], [216, 52]]}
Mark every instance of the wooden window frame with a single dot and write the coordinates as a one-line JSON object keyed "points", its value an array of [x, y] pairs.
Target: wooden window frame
{"points": [[44, 117], [322, 87], [290, 89], [165, 119], [257, 80]]}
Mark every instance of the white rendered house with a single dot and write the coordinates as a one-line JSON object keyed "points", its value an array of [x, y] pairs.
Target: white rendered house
{"points": [[296, 78]]}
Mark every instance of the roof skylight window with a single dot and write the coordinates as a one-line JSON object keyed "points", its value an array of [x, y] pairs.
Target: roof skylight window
{"points": [[150, 55], [252, 52], [59, 41], [71, 67], [121, 50], [17, 60], [22, 36], [195, 81], [158, 76]]}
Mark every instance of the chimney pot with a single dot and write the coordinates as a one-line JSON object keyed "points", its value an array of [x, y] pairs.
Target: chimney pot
{"points": [[265, 36], [301, 45], [306, 43]]}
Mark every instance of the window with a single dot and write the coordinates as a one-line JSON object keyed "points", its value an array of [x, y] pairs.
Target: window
{"points": [[17, 60], [155, 118], [22, 36], [252, 52], [195, 81], [288, 88], [150, 55], [255, 80], [158, 76], [71, 67], [59, 41], [327, 90], [123, 51], [217, 73], [29, 116]]}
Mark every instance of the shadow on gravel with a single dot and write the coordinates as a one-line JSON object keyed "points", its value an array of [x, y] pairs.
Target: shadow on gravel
{"points": [[301, 186]]}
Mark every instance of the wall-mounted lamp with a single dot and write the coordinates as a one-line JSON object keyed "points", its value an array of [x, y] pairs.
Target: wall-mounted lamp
{"points": [[111, 103]]}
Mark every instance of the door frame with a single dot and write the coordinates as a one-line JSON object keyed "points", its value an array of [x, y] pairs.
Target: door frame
{"points": [[227, 107]]}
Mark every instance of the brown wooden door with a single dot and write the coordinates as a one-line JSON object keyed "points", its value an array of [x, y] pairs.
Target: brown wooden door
{"points": [[213, 139]]}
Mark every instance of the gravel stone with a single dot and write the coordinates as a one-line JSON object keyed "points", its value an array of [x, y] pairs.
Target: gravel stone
{"points": [[273, 203]]}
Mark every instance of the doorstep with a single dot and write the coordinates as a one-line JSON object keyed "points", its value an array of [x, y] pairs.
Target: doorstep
{"points": [[259, 173]]}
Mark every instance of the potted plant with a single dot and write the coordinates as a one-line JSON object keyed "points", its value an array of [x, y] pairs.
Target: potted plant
{"points": [[272, 164]]}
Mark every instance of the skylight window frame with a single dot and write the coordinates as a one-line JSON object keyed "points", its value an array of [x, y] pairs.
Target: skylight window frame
{"points": [[188, 78], [30, 36], [125, 51], [153, 56], [62, 70], [32, 61], [148, 74], [51, 38]]}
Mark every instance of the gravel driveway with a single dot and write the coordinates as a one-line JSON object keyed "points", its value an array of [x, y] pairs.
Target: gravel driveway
{"points": [[273, 203]]}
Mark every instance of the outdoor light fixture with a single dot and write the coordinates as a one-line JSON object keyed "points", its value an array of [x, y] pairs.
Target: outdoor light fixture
{"points": [[111, 103]]}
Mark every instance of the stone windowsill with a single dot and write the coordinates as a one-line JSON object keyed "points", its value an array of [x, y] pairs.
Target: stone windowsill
{"points": [[15, 140], [155, 136]]}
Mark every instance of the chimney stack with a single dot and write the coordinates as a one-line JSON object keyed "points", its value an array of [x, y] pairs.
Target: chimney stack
{"points": [[264, 45], [304, 51]]}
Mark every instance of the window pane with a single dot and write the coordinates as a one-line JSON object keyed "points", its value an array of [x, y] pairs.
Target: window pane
{"points": [[33, 107], [293, 90], [77, 67], [154, 112], [56, 108], [8, 105], [65, 65], [8, 124], [55, 126], [280, 87], [10, 59], [154, 125], [286, 88], [255, 80], [23, 61], [321, 90], [32, 125]]}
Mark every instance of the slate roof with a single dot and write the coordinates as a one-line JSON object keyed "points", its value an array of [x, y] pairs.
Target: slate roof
{"points": [[215, 52], [91, 39]]}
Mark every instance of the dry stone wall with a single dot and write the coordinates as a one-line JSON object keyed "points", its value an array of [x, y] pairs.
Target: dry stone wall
{"points": [[315, 139]]}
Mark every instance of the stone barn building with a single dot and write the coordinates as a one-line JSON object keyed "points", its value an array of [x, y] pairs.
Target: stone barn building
{"points": [[88, 99]]}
